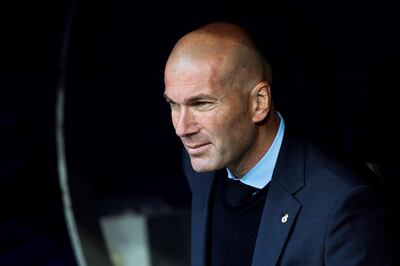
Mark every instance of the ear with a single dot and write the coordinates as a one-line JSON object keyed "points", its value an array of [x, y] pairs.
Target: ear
{"points": [[260, 101]]}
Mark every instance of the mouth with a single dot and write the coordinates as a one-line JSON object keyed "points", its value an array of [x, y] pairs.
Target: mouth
{"points": [[197, 149]]}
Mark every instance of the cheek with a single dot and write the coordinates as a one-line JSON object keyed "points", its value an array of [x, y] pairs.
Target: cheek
{"points": [[215, 123], [238, 129], [227, 125], [226, 130]]}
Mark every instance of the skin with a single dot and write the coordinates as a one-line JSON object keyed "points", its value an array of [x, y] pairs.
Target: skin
{"points": [[217, 85]]}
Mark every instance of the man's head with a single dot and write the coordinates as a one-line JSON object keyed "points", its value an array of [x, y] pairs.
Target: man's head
{"points": [[217, 84]]}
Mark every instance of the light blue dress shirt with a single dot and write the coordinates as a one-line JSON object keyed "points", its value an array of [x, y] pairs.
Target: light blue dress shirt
{"points": [[260, 175]]}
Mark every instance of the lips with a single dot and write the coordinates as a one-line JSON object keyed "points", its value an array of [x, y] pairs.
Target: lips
{"points": [[197, 149]]}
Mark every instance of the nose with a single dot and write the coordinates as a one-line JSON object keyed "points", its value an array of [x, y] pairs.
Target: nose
{"points": [[185, 123]]}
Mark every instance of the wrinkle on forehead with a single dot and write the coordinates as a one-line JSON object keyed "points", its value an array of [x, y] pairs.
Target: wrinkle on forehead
{"points": [[186, 71]]}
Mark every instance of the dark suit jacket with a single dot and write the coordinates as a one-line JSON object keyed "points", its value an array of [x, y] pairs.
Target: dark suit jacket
{"points": [[334, 216]]}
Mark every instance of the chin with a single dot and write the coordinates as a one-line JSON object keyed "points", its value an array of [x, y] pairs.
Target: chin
{"points": [[201, 165]]}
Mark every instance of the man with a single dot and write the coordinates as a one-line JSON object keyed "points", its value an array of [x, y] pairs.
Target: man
{"points": [[260, 196]]}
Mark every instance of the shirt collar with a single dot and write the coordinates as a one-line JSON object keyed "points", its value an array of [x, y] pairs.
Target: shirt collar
{"points": [[260, 175]]}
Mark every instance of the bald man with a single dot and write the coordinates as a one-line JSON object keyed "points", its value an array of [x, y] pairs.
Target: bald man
{"points": [[260, 194]]}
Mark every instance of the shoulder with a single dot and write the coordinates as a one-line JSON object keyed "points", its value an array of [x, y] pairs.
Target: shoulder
{"points": [[330, 169], [337, 188], [319, 176]]}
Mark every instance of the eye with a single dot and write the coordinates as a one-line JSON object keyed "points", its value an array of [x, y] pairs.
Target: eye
{"points": [[203, 104]]}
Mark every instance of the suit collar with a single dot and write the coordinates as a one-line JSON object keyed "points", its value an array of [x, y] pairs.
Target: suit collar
{"points": [[281, 207], [289, 170]]}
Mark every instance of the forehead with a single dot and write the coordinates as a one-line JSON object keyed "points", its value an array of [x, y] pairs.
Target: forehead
{"points": [[187, 78]]}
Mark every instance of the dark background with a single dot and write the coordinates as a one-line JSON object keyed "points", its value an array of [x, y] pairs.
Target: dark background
{"points": [[335, 66]]}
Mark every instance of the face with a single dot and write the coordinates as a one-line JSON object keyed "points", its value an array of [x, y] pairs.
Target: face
{"points": [[213, 120]]}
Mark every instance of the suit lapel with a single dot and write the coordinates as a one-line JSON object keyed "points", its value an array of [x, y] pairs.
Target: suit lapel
{"points": [[281, 207], [200, 215], [277, 219]]}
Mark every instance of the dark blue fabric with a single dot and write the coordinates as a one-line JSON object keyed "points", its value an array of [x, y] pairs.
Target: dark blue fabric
{"points": [[233, 228], [334, 215]]}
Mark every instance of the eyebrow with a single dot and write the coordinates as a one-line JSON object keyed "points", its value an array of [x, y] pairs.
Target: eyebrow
{"points": [[201, 96]]}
